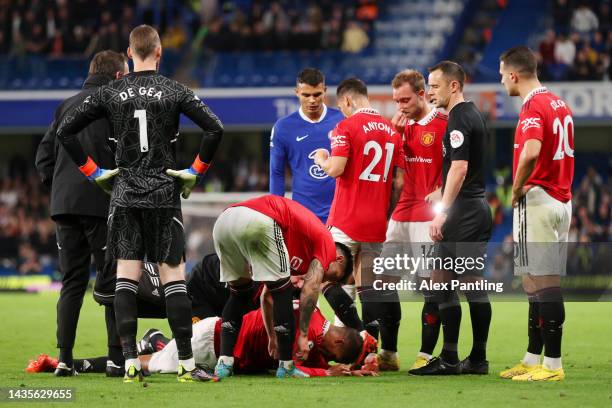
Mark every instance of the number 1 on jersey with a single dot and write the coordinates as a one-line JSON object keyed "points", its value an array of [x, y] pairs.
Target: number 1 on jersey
{"points": [[141, 115]]}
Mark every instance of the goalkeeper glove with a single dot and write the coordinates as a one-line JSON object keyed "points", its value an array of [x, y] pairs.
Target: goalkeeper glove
{"points": [[102, 177], [189, 177]]}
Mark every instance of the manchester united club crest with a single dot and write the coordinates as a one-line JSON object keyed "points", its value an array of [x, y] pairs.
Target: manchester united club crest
{"points": [[427, 138]]}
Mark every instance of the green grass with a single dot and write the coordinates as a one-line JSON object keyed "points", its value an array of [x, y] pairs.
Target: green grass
{"points": [[29, 323]]}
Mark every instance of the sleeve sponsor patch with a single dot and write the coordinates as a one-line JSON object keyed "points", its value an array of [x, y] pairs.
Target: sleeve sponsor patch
{"points": [[529, 123], [456, 138], [338, 141]]}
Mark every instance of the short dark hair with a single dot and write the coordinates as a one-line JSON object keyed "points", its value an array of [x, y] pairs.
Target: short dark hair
{"points": [[107, 63], [522, 59], [451, 70], [353, 343], [310, 76], [352, 85], [144, 39], [348, 269]]}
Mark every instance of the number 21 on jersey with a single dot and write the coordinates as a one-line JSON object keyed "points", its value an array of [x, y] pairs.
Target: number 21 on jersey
{"points": [[367, 174]]}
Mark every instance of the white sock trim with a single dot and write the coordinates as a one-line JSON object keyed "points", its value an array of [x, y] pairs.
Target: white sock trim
{"points": [[552, 363], [227, 360], [132, 362], [531, 359], [188, 365], [424, 355]]}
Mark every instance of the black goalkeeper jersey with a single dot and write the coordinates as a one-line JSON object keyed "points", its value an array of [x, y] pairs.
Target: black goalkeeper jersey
{"points": [[143, 109]]}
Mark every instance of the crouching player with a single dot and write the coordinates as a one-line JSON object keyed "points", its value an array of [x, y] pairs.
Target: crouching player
{"points": [[266, 239]]}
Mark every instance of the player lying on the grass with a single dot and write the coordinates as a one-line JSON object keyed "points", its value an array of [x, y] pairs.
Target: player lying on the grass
{"points": [[345, 346], [208, 297]]}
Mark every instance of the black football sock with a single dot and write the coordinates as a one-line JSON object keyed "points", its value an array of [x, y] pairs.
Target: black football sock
{"points": [[115, 353], [178, 309], [552, 311], [343, 306], [390, 320], [480, 313], [65, 356], [430, 325], [369, 310], [233, 311], [450, 317], [126, 312], [534, 328], [91, 365], [284, 320]]}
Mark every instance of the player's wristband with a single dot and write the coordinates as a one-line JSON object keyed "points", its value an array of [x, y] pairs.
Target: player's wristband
{"points": [[198, 166], [89, 168]]}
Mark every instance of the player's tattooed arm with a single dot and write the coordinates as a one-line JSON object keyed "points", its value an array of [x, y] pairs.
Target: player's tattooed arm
{"points": [[267, 315], [310, 294]]}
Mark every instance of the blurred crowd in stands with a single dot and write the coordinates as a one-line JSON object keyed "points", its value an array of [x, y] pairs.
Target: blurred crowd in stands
{"points": [[578, 46], [59, 28]]}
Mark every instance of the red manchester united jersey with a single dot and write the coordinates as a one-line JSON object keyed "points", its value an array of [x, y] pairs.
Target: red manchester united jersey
{"points": [[423, 165], [363, 191], [251, 350], [547, 118], [305, 235]]}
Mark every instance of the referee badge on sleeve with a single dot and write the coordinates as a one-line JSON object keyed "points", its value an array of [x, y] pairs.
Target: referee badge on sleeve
{"points": [[456, 139]]}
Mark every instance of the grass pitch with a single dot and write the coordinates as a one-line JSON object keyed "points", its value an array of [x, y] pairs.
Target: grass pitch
{"points": [[29, 329]]}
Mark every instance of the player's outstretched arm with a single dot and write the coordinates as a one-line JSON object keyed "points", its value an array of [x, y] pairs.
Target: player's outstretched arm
{"points": [[308, 302], [76, 120]]}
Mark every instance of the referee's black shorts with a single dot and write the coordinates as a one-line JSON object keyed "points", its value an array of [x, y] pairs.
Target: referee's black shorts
{"points": [[466, 232], [152, 234]]}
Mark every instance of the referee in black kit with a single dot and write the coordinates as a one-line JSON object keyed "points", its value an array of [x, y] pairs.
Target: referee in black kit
{"points": [[78, 207], [462, 226]]}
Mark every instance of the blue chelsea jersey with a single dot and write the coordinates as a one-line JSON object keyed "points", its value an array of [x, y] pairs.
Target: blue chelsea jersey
{"points": [[294, 139]]}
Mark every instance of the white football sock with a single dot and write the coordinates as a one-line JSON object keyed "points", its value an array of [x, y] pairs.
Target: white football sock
{"points": [[227, 360], [424, 355], [188, 364], [552, 363], [288, 364], [531, 359], [132, 362]]}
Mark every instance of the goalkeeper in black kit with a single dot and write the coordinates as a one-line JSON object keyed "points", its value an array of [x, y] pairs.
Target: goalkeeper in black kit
{"points": [[145, 218]]}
